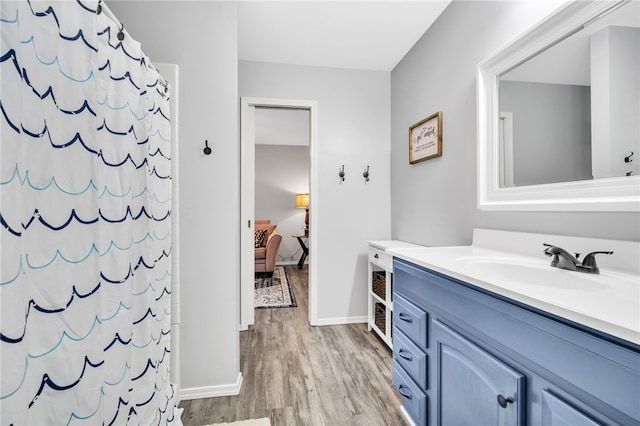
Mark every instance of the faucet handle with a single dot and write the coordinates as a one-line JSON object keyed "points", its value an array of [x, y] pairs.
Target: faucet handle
{"points": [[590, 261], [550, 251], [561, 258]]}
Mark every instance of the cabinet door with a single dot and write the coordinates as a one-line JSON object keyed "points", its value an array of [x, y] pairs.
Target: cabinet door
{"points": [[556, 412], [474, 387]]}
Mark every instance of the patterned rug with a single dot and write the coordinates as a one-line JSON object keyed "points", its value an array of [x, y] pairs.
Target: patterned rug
{"points": [[274, 292]]}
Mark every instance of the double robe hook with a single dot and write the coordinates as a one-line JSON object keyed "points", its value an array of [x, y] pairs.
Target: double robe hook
{"points": [[342, 174]]}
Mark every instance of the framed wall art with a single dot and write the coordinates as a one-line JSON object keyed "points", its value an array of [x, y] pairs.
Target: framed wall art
{"points": [[425, 139]]}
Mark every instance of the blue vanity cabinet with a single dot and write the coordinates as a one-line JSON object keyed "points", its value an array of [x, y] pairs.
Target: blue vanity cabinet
{"points": [[411, 321], [410, 342], [492, 361], [475, 388], [413, 397], [412, 359], [556, 412]]}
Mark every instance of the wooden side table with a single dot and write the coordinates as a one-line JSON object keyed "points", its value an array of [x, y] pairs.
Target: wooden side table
{"points": [[305, 249]]}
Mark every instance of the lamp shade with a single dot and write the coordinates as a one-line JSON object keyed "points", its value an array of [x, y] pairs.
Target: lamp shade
{"points": [[302, 200]]}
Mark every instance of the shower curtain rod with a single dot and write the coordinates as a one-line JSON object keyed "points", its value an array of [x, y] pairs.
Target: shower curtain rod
{"points": [[103, 8]]}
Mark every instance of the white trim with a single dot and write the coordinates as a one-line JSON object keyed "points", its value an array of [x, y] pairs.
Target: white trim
{"points": [[247, 210], [341, 321], [506, 150], [172, 76], [313, 212], [406, 415], [212, 391], [613, 194], [247, 189]]}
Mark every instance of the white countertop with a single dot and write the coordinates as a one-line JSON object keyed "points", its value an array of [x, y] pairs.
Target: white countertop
{"points": [[391, 244], [513, 265]]}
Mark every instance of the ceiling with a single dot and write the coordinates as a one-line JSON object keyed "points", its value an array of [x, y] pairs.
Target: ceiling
{"points": [[360, 34]]}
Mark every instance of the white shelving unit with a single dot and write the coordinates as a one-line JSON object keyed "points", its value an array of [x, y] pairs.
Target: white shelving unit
{"points": [[380, 304]]}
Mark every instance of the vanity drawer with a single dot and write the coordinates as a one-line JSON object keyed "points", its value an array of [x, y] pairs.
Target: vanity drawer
{"points": [[411, 320], [413, 399], [410, 357], [380, 258]]}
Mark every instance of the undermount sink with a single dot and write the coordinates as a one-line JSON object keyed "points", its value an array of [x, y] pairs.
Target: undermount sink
{"points": [[530, 273]]}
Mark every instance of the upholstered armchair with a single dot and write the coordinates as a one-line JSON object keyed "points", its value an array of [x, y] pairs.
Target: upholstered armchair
{"points": [[266, 251]]}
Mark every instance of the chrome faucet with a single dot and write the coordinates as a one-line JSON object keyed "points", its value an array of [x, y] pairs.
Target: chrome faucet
{"points": [[564, 260]]}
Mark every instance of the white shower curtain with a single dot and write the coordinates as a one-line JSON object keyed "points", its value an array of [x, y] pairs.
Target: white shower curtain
{"points": [[85, 208]]}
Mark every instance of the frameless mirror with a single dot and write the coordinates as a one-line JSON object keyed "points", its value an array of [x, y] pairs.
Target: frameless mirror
{"points": [[559, 114]]}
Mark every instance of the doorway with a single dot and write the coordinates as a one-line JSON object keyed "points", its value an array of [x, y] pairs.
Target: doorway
{"points": [[247, 200]]}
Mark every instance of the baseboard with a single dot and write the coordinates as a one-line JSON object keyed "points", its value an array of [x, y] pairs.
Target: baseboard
{"points": [[341, 321], [407, 416], [212, 391]]}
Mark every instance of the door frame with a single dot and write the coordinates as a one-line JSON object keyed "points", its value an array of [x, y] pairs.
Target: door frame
{"points": [[171, 72], [505, 148], [247, 197]]}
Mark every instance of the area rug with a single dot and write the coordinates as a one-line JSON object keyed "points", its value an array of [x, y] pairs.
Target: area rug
{"points": [[274, 292], [252, 422]]}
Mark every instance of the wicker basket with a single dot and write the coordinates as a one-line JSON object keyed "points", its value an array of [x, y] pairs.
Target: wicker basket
{"points": [[379, 284], [380, 317]]}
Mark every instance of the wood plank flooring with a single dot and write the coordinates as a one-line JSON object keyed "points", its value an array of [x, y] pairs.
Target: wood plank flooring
{"points": [[299, 375]]}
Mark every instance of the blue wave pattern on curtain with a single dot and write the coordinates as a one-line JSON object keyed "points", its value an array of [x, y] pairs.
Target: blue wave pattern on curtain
{"points": [[85, 209]]}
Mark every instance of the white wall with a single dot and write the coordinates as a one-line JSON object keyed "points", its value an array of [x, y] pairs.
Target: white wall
{"points": [[281, 172], [353, 129], [282, 126], [615, 91], [434, 202], [551, 131], [201, 37]]}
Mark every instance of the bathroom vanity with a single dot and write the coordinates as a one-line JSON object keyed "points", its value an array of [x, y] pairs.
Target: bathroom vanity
{"points": [[496, 333], [492, 334]]}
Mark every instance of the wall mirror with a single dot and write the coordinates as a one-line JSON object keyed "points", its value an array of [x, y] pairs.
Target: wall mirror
{"points": [[559, 114]]}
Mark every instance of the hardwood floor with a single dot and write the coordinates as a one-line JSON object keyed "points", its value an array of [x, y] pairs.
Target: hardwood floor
{"points": [[301, 375]]}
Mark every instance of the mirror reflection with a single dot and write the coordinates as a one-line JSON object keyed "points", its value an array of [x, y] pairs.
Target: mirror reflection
{"points": [[572, 112]]}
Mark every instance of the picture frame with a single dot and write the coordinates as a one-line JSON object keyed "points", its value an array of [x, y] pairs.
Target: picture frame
{"points": [[425, 139]]}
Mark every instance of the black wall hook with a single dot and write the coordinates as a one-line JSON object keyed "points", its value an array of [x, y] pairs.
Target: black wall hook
{"points": [[628, 158], [341, 173], [366, 174], [206, 150]]}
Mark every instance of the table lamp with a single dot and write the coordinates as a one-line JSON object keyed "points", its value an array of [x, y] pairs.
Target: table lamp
{"points": [[302, 202]]}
